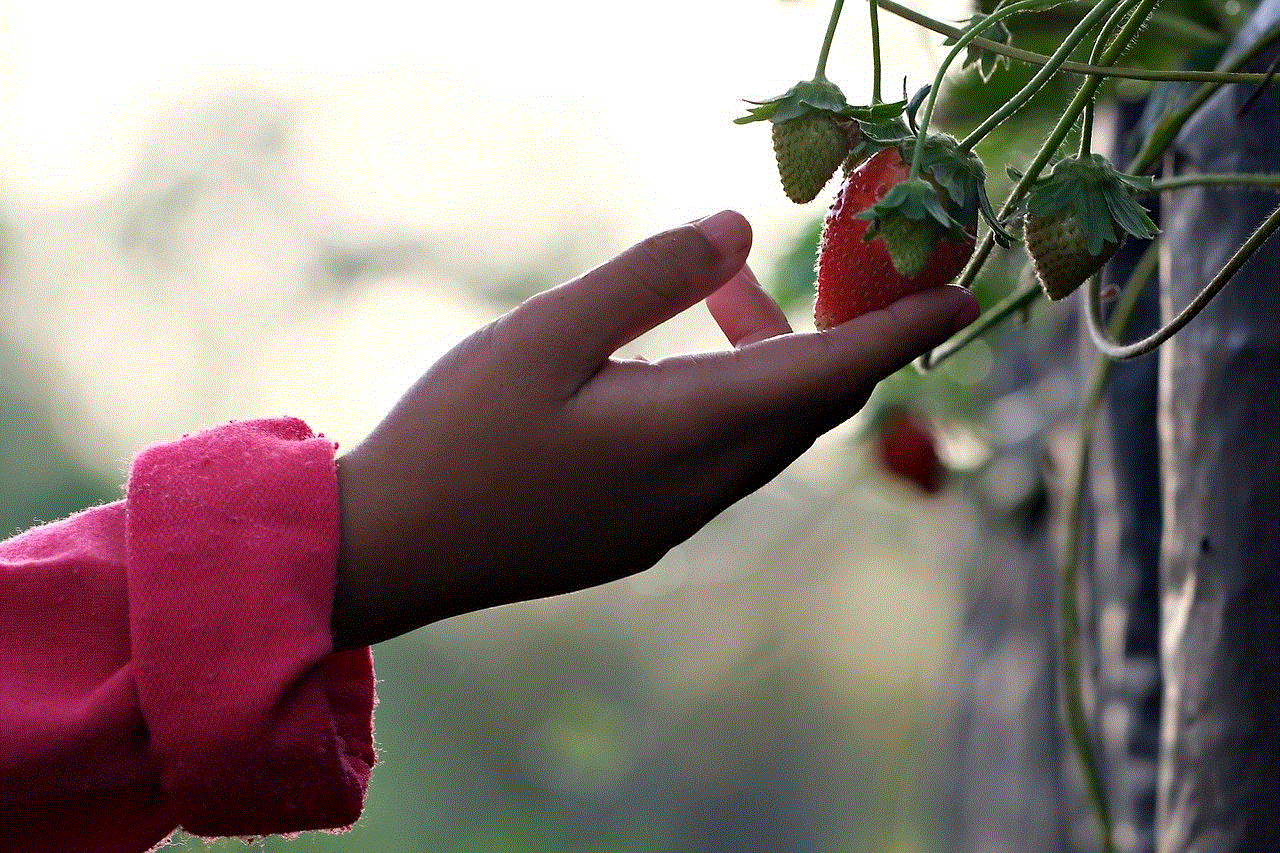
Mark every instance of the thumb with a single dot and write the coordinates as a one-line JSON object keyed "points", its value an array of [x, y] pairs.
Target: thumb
{"points": [[586, 320]]}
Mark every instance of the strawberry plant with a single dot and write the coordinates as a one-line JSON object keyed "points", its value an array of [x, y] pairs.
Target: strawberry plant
{"points": [[913, 209]]}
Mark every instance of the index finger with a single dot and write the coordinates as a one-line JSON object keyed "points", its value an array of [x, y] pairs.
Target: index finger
{"points": [[826, 375], [576, 327]]}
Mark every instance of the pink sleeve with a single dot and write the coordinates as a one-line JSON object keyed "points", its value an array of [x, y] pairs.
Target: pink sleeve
{"points": [[168, 660]]}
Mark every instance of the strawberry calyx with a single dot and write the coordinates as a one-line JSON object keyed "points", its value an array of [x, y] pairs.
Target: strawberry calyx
{"points": [[910, 219], [818, 95], [1077, 217], [913, 198], [985, 60], [814, 128], [1101, 197], [943, 201]]}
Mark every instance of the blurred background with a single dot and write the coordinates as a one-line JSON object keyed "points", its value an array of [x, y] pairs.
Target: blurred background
{"points": [[233, 210]]}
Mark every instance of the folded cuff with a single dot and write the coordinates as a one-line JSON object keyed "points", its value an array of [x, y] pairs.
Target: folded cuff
{"points": [[258, 728]]}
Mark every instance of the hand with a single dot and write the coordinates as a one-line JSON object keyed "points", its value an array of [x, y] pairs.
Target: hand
{"points": [[529, 462]]}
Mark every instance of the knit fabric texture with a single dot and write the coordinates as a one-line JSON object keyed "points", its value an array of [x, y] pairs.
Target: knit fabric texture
{"points": [[167, 660]]}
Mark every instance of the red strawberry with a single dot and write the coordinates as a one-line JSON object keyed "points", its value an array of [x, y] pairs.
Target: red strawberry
{"points": [[856, 275], [905, 449]]}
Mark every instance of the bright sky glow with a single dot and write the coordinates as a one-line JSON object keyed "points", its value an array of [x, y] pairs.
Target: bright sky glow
{"points": [[493, 126]]}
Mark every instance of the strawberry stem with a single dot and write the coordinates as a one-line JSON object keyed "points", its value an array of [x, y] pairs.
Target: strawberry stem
{"points": [[1069, 602], [1082, 96], [1077, 35], [1106, 343], [820, 74], [1258, 180], [875, 50], [1086, 117], [1014, 303], [1032, 58], [969, 34]]}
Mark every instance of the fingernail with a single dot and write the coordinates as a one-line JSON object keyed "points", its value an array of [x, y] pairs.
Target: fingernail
{"points": [[966, 311], [727, 231]]}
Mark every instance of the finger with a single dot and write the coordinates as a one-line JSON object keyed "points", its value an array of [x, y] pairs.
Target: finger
{"points": [[822, 377], [576, 327], [744, 312]]}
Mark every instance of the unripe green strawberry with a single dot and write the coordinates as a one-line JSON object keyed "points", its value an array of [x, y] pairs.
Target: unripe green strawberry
{"points": [[809, 149], [1077, 218], [1059, 250]]}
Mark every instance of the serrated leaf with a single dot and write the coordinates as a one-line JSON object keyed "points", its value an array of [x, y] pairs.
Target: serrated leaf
{"points": [[1099, 227], [763, 112], [801, 98], [874, 113], [986, 60], [911, 199], [821, 95], [889, 132], [788, 110], [1051, 197], [1131, 216], [959, 173]]}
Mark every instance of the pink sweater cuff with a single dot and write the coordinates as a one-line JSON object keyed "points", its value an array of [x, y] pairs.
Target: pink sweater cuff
{"points": [[233, 543]]}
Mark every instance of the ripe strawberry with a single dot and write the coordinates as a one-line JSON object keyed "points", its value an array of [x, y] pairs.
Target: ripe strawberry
{"points": [[1060, 251], [856, 275], [905, 448], [809, 149]]}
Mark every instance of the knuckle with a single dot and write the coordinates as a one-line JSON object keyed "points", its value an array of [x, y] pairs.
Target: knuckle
{"points": [[671, 263]]}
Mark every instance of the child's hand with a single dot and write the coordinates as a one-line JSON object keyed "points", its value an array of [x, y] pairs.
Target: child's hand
{"points": [[529, 462]]}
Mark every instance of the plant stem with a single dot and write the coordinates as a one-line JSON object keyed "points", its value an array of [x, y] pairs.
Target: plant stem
{"points": [[1086, 117], [1106, 343], [1032, 58], [968, 35], [1082, 96], [1017, 301], [875, 50], [1258, 180], [1162, 136], [821, 72], [1070, 614], [1042, 76]]}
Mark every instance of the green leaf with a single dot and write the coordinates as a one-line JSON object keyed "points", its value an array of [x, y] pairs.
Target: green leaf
{"points": [[998, 231], [875, 113], [1099, 228], [820, 94], [891, 132], [817, 96], [914, 104], [914, 198], [1131, 216], [763, 112], [789, 109], [986, 60], [960, 173]]}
